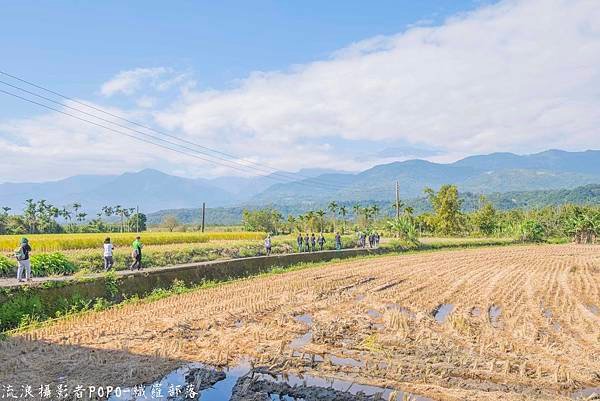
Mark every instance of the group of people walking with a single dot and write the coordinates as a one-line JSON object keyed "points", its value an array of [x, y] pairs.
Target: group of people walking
{"points": [[308, 243], [373, 239], [24, 263], [136, 254]]}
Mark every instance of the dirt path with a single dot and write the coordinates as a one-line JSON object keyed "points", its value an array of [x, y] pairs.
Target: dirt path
{"points": [[371, 320]]}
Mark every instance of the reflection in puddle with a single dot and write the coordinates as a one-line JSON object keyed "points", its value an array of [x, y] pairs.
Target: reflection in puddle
{"points": [[373, 314], [240, 383], [547, 312], [594, 309], [442, 311], [475, 311], [494, 313], [590, 393], [336, 360], [306, 338]]}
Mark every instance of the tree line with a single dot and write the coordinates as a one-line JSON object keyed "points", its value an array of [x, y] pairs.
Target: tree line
{"points": [[41, 217], [447, 218]]}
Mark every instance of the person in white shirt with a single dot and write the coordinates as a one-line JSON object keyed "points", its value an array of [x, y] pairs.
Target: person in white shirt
{"points": [[268, 244], [108, 254]]}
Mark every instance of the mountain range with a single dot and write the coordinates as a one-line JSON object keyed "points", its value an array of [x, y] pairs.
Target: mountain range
{"points": [[153, 190]]}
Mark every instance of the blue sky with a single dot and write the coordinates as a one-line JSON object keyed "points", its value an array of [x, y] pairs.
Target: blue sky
{"points": [[337, 84], [76, 46]]}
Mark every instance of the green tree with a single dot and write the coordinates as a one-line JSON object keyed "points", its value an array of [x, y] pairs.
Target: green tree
{"points": [[267, 220], [333, 208], [485, 219], [404, 228], [137, 221], [448, 218]]}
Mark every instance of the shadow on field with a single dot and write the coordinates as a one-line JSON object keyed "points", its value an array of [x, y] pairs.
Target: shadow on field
{"points": [[35, 363]]}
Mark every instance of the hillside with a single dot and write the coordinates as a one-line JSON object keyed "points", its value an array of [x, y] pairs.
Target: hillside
{"points": [[589, 194], [153, 190]]}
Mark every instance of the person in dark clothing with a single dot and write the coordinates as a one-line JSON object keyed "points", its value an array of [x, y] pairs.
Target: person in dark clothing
{"points": [[137, 254], [22, 256], [321, 241], [299, 241], [377, 238], [338, 241], [313, 242], [306, 243]]}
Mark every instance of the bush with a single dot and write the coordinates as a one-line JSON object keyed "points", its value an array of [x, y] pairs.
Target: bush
{"points": [[7, 266], [531, 231], [51, 264]]}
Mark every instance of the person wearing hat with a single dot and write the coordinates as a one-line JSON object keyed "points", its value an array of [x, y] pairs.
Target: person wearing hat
{"points": [[22, 256]]}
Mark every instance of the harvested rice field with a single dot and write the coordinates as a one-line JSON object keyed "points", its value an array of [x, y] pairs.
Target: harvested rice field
{"points": [[510, 323]]}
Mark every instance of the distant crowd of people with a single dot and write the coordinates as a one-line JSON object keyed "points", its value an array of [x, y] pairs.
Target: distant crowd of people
{"points": [[308, 243], [373, 239]]}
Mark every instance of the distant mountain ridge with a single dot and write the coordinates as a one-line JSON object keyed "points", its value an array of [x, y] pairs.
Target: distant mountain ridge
{"points": [[153, 190]]}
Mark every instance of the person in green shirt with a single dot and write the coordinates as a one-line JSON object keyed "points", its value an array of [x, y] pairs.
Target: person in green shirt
{"points": [[137, 254]]}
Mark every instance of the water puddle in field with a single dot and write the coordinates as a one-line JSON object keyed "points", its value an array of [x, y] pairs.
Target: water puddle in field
{"points": [[306, 338], [547, 312], [240, 383], [594, 309], [336, 360], [475, 311], [373, 314], [590, 393], [442, 312], [494, 313]]}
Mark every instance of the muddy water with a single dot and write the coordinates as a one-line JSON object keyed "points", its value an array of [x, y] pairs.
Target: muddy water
{"points": [[306, 338], [590, 393], [547, 312], [239, 383], [475, 311], [594, 309], [494, 313], [442, 312]]}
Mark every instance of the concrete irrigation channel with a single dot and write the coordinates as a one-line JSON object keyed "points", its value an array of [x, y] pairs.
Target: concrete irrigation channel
{"points": [[511, 323]]}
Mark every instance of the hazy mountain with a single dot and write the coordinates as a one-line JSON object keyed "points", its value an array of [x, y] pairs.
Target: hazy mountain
{"points": [[153, 190], [497, 172], [150, 189]]}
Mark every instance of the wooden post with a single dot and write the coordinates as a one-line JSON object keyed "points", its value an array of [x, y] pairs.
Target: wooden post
{"points": [[397, 200], [203, 214]]}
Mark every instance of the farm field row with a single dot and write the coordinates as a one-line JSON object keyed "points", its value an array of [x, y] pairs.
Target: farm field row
{"points": [[512, 323], [62, 242]]}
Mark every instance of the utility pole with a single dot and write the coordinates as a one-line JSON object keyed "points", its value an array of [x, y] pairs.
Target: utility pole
{"points": [[137, 219], [397, 200], [203, 214]]}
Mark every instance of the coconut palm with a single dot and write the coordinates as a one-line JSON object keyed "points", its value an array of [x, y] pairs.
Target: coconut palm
{"points": [[333, 208], [343, 213]]}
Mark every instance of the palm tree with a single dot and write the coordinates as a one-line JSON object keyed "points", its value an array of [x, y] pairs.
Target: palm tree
{"points": [[291, 223], [333, 208], [357, 210], [321, 214], [343, 212], [81, 216], [310, 217]]}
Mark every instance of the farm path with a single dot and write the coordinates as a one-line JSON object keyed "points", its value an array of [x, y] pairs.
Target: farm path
{"points": [[512, 323]]}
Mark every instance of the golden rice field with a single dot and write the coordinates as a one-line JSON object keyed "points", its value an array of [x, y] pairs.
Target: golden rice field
{"points": [[508, 323], [61, 242]]}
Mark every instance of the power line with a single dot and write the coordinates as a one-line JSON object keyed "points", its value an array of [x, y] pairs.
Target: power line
{"points": [[272, 171], [135, 137]]}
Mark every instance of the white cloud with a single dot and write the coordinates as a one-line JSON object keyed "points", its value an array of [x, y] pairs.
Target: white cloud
{"points": [[128, 82], [519, 75]]}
